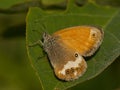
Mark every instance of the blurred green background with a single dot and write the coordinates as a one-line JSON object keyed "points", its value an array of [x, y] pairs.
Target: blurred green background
{"points": [[16, 72]]}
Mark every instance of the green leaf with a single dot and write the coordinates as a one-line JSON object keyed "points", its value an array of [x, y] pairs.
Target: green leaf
{"points": [[39, 21]]}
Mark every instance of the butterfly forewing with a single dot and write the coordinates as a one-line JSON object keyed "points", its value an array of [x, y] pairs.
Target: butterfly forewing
{"points": [[84, 39]]}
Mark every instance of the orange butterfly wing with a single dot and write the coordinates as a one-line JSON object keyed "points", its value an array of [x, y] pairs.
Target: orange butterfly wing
{"points": [[83, 39]]}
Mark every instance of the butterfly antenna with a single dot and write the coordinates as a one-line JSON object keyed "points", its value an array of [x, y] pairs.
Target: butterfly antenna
{"points": [[42, 29]]}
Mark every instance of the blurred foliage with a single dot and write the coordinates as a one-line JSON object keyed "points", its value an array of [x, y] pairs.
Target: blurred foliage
{"points": [[16, 72], [113, 3]]}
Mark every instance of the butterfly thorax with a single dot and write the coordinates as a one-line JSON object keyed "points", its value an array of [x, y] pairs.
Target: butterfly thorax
{"points": [[48, 42]]}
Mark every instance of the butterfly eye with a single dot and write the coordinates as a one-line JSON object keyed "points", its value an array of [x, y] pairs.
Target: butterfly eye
{"points": [[44, 34], [76, 54]]}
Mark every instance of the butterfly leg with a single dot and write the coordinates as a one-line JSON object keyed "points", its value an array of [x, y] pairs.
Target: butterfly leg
{"points": [[39, 42], [40, 57]]}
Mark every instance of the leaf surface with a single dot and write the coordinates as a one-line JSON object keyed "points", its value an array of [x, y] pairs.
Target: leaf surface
{"points": [[90, 14]]}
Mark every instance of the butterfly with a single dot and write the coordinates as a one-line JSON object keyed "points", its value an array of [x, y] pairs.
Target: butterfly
{"points": [[67, 48]]}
